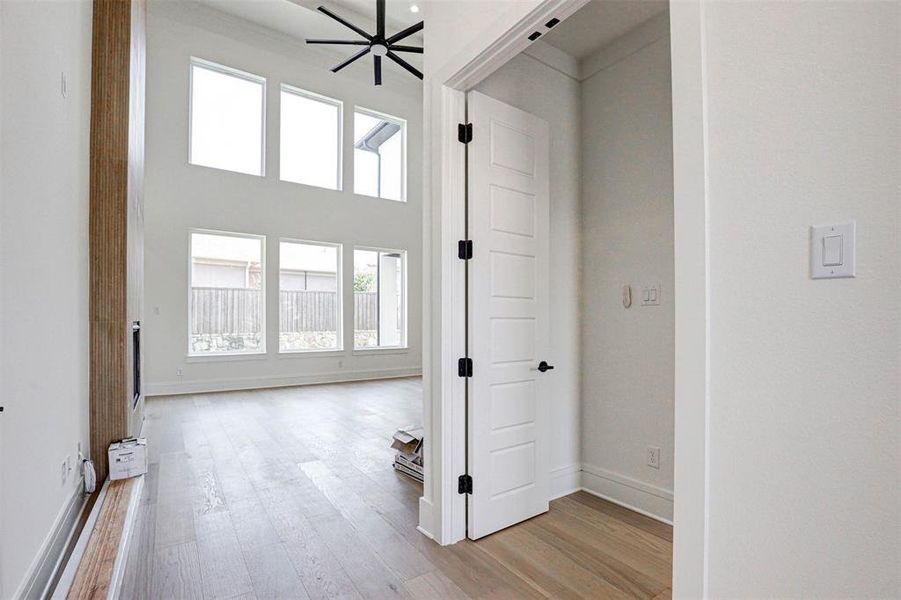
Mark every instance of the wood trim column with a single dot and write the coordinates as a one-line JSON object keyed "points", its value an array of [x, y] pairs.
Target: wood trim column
{"points": [[116, 215]]}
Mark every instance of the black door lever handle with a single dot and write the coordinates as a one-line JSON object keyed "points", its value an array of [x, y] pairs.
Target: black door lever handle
{"points": [[543, 366]]}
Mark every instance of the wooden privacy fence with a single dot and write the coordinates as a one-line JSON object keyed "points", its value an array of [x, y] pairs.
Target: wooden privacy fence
{"points": [[366, 311], [238, 311], [307, 311], [225, 311]]}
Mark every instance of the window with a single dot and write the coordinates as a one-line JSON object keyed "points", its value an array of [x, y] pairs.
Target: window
{"points": [[379, 155], [310, 139], [227, 297], [380, 319], [309, 283], [227, 115]]}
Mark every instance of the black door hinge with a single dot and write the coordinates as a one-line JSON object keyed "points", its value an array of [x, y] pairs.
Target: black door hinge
{"points": [[464, 484], [464, 249], [464, 367], [464, 132]]}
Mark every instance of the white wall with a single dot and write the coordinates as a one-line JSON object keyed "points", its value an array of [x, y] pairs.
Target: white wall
{"points": [[43, 271], [547, 93], [804, 127], [627, 233], [179, 196]]}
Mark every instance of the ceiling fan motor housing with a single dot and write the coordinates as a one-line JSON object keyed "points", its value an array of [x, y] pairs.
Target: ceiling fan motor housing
{"points": [[378, 44]]}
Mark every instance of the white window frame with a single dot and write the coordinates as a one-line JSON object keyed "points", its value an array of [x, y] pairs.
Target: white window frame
{"points": [[290, 89], [405, 343], [403, 149], [263, 322], [340, 299], [225, 70]]}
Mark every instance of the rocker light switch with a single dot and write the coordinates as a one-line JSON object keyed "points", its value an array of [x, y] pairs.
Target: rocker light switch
{"points": [[832, 251], [650, 295]]}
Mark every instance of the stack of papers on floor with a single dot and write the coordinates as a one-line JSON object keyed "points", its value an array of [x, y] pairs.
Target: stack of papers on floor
{"points": [[408, 459]]}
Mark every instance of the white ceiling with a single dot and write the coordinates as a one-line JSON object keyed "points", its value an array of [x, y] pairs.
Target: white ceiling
{"points": [[300, 19], [397, 11], [600, 22]]}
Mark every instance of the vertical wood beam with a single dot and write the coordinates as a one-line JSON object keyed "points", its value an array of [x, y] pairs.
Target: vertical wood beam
{"points": [[116, 196]]}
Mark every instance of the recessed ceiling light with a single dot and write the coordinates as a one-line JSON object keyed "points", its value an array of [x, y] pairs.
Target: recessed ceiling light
{"points": [[414, 8]]}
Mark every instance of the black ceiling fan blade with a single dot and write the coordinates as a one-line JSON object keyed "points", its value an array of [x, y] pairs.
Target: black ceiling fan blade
{"points": [[397, 48], [377, 65], [380, 17], [405, 33], [344, 22], [404, 64], [342, 42], [356, 56]]}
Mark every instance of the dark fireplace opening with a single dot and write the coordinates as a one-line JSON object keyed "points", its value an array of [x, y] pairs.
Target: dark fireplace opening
{"points": [[136, 361]]}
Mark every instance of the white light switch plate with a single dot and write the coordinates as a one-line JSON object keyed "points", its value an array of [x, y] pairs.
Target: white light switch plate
{"points": [[650, 295], [832, 251]]}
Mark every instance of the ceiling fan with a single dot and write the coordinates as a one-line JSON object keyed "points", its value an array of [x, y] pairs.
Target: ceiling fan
{"points": [[378, 43]]}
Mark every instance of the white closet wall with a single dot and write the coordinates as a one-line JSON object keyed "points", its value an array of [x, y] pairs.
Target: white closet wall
{"points": [[627, 233]]}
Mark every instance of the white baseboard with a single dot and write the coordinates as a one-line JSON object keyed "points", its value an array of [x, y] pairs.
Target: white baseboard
{"points": [[47, 562], [425, 518], [644, 498], [249, 383], [565, 480]]}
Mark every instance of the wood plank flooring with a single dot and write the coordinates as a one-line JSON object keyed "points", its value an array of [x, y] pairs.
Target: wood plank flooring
{"points": [[289, 493], [95, 571]]}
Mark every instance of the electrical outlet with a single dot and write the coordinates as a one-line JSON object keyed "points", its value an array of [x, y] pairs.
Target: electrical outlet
{"points": [[653, 459], [78, 452], [63, 473], [179, 372]]}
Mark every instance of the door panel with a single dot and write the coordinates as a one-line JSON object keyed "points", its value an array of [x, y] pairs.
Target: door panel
{"points": [[507, 315]]}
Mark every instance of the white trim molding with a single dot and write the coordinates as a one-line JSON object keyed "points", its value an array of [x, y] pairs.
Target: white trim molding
{"points": [[565, 480], [692, 311], [425, 518], [171, 388], [553, 58], [642, 497], [657, 28], [48, 561]]}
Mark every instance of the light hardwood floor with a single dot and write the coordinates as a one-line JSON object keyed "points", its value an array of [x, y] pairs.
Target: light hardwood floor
{"points": [[289, 493]]}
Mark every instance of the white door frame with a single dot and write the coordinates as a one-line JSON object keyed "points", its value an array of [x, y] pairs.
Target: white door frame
{"points": [[442, 510]]}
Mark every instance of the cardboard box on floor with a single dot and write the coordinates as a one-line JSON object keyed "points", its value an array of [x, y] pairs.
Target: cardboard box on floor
{"points": [[128, 458], [408, 440], [408, 459]]}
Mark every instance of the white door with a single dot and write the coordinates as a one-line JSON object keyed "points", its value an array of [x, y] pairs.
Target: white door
{"points": [[507, 315]]}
